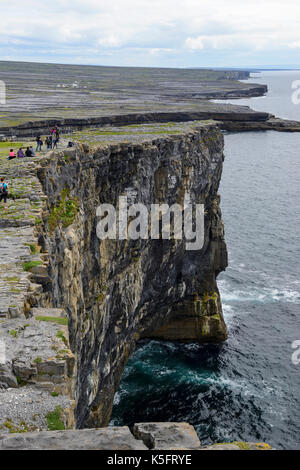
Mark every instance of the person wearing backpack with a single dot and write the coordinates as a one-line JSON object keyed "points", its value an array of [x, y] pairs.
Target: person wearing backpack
{"points": [[3, 192]]}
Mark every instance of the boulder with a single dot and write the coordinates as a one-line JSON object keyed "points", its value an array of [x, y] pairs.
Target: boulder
{"points": [[7, 378], [112, 438], [170, 436]]}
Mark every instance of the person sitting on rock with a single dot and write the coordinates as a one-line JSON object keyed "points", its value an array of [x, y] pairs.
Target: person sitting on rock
{"points": [[28, 152], [11, 154], [3, 192], [31, 151], [20, 153]]}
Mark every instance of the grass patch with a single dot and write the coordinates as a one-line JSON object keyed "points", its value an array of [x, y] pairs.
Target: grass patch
{"points": [[54, 420], [63, 354], [58, 320], [23, 427], [14, 291], [11, 279], [13, 333], [35, 249], [64, 212], [61, 336], [20, 381], [31, 264], [38, 360], [6, 146]]}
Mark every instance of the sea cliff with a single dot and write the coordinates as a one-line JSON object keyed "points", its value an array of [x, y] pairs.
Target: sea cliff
{"points": [[111, 293], [115, 292]]}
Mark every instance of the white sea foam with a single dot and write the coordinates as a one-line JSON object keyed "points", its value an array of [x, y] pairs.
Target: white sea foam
{"points": [[229, 314], [287, 295], [117, 398], [263, 295]]}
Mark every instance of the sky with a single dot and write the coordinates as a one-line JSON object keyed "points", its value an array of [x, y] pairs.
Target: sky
{"points": [[152, 33]]}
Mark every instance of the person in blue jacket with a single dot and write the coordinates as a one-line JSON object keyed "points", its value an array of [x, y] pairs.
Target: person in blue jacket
{"points": [[3, 192]]}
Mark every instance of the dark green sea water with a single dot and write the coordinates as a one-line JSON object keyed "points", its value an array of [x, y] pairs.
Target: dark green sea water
{"points": [[248, 387]]}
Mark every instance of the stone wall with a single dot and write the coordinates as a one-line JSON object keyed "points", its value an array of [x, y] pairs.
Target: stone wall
{"points": [[36, 364]]}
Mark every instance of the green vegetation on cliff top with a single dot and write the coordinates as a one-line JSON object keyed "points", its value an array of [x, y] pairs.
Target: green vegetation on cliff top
{"points": [[54, 420], [58, 320], [64, 212], [31, 264]]}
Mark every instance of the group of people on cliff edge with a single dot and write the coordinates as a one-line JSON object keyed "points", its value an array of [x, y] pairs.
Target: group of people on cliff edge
{"points": [[51, 140], [29, 152]]}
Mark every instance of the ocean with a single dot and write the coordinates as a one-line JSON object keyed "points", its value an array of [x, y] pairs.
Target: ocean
{"points": [[246, 389]]}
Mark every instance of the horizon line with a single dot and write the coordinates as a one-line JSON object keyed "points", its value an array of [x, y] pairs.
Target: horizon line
{"points": [[224, 67]]}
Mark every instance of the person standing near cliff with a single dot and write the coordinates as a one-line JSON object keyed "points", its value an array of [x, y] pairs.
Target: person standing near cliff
{"points": [[55, 142], [48, 142], [53, 132], [3, 192], [39, 143], [56, 138]]}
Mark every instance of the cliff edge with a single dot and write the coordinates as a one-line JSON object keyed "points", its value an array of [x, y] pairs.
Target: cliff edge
{"points": [[114, 292]]}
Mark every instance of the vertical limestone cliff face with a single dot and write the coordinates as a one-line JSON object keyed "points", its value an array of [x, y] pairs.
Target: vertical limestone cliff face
{"points": [[117, 291]]}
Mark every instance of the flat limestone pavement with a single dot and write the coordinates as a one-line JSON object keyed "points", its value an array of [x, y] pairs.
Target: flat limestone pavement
{"points": [[35, 359], [169, 436], [88, 439]]}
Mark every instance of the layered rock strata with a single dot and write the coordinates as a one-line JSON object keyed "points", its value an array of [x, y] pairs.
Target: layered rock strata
{"points": [[117, 291], [217, 112], [110, 292]]}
